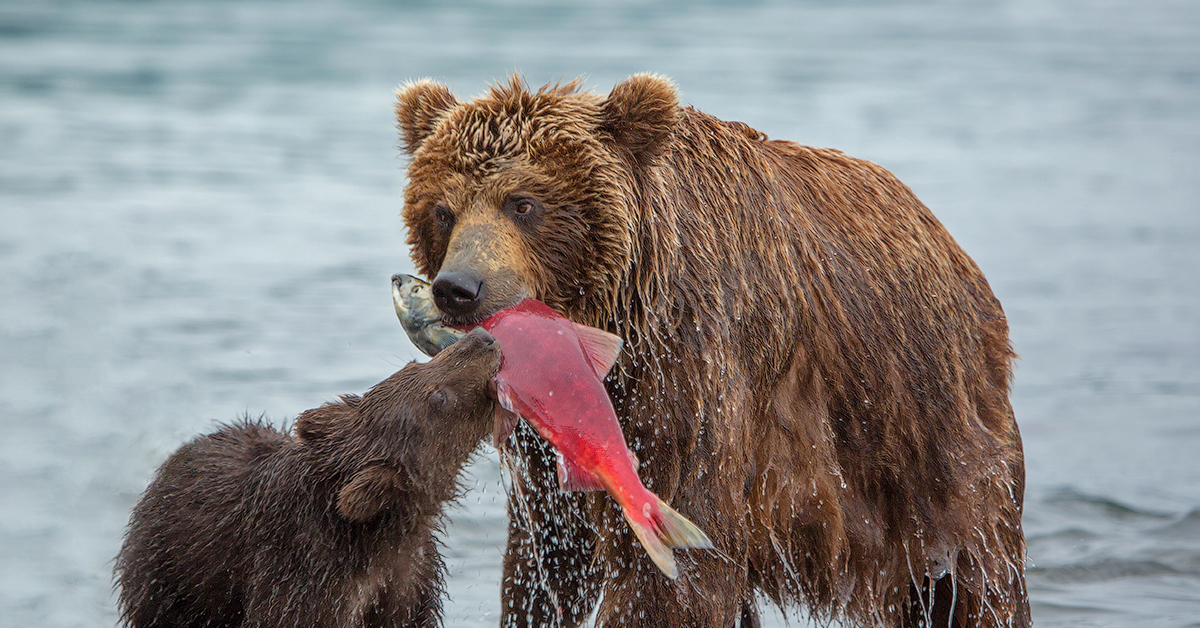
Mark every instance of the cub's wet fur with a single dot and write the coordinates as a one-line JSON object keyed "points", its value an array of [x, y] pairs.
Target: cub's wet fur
{"points": [[332, 526]]}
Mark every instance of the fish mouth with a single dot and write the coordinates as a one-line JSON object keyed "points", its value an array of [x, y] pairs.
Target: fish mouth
{"points": [[400, 279], [397, 294], [398, 286]]}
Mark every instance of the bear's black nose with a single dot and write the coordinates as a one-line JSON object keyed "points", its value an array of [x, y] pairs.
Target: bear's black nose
{"points": [[457, 293]]}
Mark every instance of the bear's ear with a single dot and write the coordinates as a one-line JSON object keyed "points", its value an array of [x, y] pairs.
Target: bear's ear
{"points": [[318, 423], [315, 424], [372, 490], [640, 114], [419, 106]]}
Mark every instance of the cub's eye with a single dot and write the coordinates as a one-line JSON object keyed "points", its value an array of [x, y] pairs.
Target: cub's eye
{"points": [[523, 207], [444, 216]]}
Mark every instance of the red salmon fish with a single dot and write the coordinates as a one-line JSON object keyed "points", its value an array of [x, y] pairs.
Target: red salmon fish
{"points": [[551, 374]]}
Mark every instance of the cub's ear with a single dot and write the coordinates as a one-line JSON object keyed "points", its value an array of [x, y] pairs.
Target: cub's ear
{"points": [[373, 490], [317, 423], [419, 106], [640, 114]]}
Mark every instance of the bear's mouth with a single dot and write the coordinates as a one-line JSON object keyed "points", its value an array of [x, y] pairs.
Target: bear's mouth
{"points": [[466, 299], [485, 311]]}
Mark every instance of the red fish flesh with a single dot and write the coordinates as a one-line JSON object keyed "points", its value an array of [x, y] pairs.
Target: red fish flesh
{"points": [[551, 374]]}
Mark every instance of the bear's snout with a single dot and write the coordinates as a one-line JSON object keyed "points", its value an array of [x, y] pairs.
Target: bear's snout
{"points": [[458, 293], [482, 339], [475, 355], [464, 371]]}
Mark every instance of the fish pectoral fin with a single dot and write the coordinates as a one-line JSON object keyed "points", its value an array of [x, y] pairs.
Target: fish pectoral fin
{"points": [[503, 424], [504, 394], [600, 347], [573, 477]]}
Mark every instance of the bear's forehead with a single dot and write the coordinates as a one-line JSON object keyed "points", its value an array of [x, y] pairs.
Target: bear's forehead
{"points": [[484, 136]]}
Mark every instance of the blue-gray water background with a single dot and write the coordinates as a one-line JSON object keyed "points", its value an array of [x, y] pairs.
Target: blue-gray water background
{"points": [[199, 215]]}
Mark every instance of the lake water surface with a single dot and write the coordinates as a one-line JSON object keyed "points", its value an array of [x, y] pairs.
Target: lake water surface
{"points": [[199, 216]]}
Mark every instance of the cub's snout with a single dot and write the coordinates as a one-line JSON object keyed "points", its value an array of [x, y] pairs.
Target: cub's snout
{"points": [[479, 341], [474, 359]]}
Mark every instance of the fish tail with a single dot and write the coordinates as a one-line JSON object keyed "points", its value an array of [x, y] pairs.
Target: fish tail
{"points": [[679, 531], [666, 531]]}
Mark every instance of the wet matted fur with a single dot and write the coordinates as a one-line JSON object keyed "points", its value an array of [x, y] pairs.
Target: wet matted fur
{"points": [[334, 526], [815, 372]]}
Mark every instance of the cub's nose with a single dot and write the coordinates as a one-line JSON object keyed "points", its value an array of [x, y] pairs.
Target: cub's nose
{"points": [[481, 337], [457, 293]]}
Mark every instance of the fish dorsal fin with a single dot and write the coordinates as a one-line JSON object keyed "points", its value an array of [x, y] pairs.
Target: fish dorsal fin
{"points": [[600, 347]]}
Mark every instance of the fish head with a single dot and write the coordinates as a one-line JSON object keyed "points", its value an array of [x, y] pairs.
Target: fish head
{"points": [[414, 303], [422, 321]]}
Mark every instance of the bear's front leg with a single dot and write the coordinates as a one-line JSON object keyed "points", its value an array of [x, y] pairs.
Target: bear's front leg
{"points": [[549, 578]]}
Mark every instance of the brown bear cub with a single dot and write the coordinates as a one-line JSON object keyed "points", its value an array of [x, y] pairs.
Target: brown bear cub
{"points": [[250, 526]]}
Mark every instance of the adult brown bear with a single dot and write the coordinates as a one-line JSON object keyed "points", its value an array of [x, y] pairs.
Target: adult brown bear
{"points": [[815, 372]]}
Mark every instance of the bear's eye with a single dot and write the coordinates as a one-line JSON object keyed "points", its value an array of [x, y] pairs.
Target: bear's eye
{"points": [[523, 207], [444, 216], [443, 399]]}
